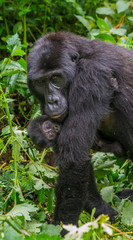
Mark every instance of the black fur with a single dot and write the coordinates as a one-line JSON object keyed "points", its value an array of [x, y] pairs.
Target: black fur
{"points": [[99, 92]]}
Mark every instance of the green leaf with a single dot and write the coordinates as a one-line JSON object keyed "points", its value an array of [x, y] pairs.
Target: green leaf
{"points": [[39, 184], [130, 18], [71, 1], [119, 31], [122, 6], [23, 64], [130, 35], [5, 130], [12, 41], [12, 68], [24, 11], [12, 81], [106, 37], [17, 52], [11, 234], [127, 214], [107, 194], [49, 173], [51, 198], [18, 27], [95, 32], [108, 22], [51, 230], [103, 160], [34, 226], [23, 209], [1, 147], [102, 24], [83, 21], [14, 65], [105, 11], [45, 236]]}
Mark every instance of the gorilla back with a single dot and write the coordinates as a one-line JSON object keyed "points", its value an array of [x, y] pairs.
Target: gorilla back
{"points": [[85, 88]]}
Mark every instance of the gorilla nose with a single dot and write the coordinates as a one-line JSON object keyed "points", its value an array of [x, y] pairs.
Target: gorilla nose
{"points": [[53, 99]]}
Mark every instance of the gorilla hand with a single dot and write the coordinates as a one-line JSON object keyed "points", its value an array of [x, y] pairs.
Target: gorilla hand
{"points": [[43, 131]]}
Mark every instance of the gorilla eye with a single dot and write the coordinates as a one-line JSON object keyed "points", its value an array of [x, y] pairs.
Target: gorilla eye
{"points": [[54, 77], [40, 81]]}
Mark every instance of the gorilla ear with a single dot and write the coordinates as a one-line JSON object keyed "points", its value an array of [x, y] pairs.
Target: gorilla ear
{"points": [[75, 58]]}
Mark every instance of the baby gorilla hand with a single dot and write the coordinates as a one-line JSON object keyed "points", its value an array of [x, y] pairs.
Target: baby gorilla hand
{"points": [[43, 131]]}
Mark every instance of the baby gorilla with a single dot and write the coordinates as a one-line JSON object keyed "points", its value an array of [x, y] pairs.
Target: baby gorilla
{"points": [[43, 131]]}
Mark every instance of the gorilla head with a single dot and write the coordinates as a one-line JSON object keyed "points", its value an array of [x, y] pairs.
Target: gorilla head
{"points": [[50, 74]]}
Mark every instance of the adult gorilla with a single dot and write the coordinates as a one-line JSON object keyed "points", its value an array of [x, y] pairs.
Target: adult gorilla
{"points": [[85, 88]]}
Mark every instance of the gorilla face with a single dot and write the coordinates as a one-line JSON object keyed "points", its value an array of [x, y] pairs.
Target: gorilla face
{"points": [[50, 87], [50, 75]]}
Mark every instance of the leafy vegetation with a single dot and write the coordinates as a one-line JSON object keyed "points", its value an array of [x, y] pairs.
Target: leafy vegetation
{"points": [[27, 181]]}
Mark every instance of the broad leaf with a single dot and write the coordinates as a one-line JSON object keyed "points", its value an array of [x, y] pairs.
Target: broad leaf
{"points": [[127, 214], [23, 209], [83, 21], [105, 11], [102, 24], [122, 6], [119, 31], [107, 193]]}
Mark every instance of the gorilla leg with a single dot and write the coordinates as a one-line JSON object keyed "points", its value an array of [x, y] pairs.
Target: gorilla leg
{"points": [[126, 193], [94, 200], [70, 192], [106, 145]]}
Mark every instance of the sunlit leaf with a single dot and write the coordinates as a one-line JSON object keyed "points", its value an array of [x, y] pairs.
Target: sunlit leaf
{"points": [[127, 214], [23, 209], [118, 31], [122, 6], [105, 11], [102, 24]]}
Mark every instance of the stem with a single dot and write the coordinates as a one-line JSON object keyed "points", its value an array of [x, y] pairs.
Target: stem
{"points": [[31, 33], [122, 233], [6, 25], [45, 17], [25, 33], [43, 155], [13, 226]]}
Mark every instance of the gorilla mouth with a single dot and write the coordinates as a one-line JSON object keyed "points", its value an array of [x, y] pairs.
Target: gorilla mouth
{"points": [[56, 116], [60, 116]]}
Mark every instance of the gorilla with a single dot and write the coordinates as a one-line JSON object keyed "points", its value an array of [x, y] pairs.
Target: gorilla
{"points": [[85, 89]]}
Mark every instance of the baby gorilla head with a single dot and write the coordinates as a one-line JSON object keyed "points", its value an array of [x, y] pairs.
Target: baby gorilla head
{"points": [[43, 131], [50, 129]]}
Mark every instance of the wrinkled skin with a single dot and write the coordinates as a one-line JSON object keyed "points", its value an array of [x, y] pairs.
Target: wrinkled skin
{"points": [[85, 89]]}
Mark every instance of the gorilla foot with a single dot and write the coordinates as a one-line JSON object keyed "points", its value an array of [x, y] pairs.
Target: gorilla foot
{"points": [[103, 208]]}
